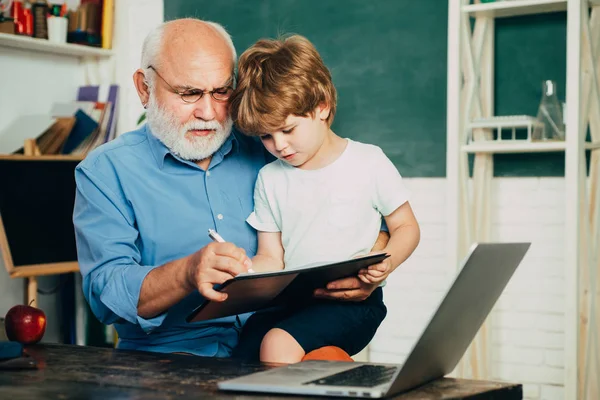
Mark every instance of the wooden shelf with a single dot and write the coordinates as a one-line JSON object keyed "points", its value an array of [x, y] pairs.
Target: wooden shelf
{"points": [[515, 146], [513, 8], [43, 45], [504, 122]]}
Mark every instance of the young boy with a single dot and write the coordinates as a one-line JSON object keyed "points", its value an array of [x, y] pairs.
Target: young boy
{"points": [[321, 200]]}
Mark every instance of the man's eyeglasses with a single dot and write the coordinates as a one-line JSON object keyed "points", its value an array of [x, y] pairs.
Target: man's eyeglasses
{"points": [[193, 95]]}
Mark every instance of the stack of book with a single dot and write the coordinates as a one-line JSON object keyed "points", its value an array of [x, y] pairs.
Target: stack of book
{"points": [[92, 23], [73, 128], [89, 22]]}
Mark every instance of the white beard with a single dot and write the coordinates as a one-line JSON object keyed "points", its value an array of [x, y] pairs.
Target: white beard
{"points": [[173, 135]]}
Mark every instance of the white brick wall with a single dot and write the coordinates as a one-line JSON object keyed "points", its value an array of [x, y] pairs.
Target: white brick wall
{"points": [[415, 289], [527, 325]]}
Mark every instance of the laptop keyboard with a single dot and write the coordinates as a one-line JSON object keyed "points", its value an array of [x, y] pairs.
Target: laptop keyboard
{"points": [[363, 376]]}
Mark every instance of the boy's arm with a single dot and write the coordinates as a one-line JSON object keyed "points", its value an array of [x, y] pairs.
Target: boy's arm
{"points": [[404, 238], [269, 256], [382, 240]]}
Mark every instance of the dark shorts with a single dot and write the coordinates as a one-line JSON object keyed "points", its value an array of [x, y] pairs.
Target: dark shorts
{"points": [[348, 325]]}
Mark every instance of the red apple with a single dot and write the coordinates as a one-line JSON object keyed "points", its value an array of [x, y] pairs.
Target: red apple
{"points": [[25, 324]]}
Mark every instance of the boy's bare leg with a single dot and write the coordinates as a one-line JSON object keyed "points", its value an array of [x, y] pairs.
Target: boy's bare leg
{"points": [[278, 346]]}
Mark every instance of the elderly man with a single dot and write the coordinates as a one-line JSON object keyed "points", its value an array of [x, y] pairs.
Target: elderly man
{"points": [[145, 201]]}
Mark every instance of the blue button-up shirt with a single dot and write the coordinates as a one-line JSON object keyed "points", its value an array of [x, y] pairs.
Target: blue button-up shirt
{"points": [[138, 207]]}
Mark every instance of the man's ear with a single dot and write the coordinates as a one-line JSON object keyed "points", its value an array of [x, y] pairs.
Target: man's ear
{"points": [[141, 85], [323, 111]]}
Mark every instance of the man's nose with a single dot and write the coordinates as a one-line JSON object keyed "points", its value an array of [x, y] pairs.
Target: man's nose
{"points": [[204, 108]]}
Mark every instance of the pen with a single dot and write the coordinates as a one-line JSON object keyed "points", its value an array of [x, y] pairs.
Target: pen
{"points": [[217, 238]]}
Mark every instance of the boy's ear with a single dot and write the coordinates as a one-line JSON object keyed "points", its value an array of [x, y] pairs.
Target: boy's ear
{"points": [[324, 111]]}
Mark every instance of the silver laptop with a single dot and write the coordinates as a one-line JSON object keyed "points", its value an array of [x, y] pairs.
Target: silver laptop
{"points": [[484, 274]]}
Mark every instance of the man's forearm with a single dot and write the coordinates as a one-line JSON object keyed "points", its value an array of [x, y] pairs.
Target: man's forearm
{"points": [[163, 287]]}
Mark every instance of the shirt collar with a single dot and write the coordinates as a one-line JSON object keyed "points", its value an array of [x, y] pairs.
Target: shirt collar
{"points": [[160, 151], [231, 145]]}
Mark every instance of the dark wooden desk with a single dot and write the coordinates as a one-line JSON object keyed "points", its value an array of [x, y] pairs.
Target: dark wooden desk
{"points": [[73, 372]]}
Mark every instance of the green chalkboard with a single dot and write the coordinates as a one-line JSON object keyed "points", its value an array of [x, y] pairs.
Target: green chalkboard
{"points": [[388, 60]]}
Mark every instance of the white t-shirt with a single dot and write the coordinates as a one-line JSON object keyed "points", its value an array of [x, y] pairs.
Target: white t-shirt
{"points": [[330, 214]]}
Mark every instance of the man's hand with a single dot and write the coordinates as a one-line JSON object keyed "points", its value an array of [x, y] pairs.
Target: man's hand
{"points": [[215, 264], [347, 289]]}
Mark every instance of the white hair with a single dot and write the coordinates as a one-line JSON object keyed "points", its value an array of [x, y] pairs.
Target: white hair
{"points": [[166, 127], [153, 43], [150, 52]]}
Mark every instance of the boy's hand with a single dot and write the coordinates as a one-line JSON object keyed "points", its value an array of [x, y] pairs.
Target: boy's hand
{"points": [[346, 289], [376, 273]]}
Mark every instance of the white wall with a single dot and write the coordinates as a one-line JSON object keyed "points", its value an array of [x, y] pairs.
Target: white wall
{"points": [[528, 321], [133, 20], [35, 80]]}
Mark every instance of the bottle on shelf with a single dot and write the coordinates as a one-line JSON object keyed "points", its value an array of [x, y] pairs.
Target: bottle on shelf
{"points": [[549, 115]]}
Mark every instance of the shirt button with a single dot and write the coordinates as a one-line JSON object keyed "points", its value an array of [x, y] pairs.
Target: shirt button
{"points": [[207, 173], [220, 216]]}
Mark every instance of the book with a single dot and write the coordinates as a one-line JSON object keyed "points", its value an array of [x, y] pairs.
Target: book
{"points": [[84, 127], [65, 110], [105, 94], [258, 290], [98, 136], [53, 139], [108, 10]]}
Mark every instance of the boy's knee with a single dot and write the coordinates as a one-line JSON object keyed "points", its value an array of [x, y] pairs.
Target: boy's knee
{"points": [[278, 338], [280, 346]]}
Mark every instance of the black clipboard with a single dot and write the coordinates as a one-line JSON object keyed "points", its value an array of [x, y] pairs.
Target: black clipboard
{"points": [[255, 291]]}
